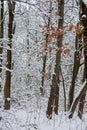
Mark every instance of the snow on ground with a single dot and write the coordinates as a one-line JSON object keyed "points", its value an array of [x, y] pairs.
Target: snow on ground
{"points": [[25, 120]]}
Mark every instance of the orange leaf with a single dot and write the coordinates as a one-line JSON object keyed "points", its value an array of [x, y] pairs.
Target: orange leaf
{"points": [[71, 26], [66, 51], [60, 49], [78, 30], [56, 13], [66, 44]]}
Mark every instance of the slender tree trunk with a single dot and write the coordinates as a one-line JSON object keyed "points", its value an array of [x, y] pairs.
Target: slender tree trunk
{"points": [[1, 36], [28, 50], [7, 87], [82, 100], [64, 90], [45, 57], [54, 93], [1, 18], [76, 62], [75, 72], [81, 103]]}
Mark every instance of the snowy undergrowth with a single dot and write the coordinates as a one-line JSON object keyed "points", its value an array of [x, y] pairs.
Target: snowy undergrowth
{"points": [[31, 119]]}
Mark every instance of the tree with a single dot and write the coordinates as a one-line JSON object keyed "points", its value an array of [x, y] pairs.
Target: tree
{"points": [[1, 36], [54, 92], [48, 43], [82, 41], [77, 99], [45, 49], [11, 29], [75, 72]]}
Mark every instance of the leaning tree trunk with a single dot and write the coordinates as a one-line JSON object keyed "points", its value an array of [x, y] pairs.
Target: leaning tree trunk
{"points": [[1, 36], [81, 102], [7, 87], [82, 99], [54, 92], [83, 9], [77, 99], [78, 44], [83, 35]]}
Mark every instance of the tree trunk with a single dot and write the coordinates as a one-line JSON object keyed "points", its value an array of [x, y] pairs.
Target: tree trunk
{"points": [[45, 57], [79, 96], [78, 42], [81, 103], [54, 93], [64, 90], [7, 87], [1, 36], [1, 19], [75, 72]]}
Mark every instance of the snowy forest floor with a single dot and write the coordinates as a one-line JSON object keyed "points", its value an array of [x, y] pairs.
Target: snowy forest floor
{"points": [[26, 119]]}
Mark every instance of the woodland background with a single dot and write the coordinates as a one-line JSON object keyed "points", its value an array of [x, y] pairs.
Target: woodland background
{"points": [[43, 70]]}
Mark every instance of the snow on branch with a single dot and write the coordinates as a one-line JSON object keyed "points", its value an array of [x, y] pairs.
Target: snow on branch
{"points": [[5, 68]]}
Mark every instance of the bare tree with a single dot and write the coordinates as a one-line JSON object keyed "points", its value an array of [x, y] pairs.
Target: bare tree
{"points": [[45, 48], [7, 87], [54, 92], [75, 72], [1, 35], [81, 42], [77, 99]]}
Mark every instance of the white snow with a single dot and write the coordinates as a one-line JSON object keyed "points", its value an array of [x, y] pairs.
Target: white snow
{"points": [[23, 120], [21, 117], [85, 1], [8, 99]]}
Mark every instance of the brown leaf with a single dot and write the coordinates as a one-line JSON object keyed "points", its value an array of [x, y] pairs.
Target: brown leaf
{"points": [[66, 51]]}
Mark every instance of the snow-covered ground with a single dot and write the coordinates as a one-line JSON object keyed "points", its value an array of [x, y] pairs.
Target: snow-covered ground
{"points": [[30, 120]]}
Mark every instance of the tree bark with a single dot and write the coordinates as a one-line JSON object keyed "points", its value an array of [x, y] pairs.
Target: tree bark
{"points": [[45, 57], [78, 44], [1, 36], [79, 96], [81, 103], [54, 93], [7, 87], [75, 72]]}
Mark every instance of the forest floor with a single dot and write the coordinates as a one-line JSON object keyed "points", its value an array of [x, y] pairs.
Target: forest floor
{"points": [[20, 119]]}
